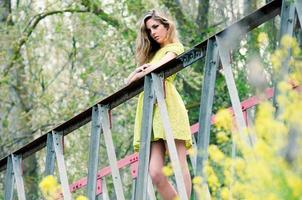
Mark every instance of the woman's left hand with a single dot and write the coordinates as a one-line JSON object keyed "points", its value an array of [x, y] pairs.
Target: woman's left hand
{"points": [[138, 73], [142, 68], [135, 77]]}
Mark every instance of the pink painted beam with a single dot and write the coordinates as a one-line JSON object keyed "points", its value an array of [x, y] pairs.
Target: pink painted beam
{"points": [[105, 171]]}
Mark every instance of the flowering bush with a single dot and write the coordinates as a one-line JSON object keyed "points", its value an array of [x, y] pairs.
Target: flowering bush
{"points": [[271, 168], [51, 190]]}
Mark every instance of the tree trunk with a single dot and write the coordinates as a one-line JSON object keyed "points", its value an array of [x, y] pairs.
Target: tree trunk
{"points": [[186, 27], [202, 18], [18, 128], [253, 49], [20, 125], [5, 10]]}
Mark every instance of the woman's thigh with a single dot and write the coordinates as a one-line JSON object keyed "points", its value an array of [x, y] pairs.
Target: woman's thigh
{"points": [[181, 152], [157, 156]]}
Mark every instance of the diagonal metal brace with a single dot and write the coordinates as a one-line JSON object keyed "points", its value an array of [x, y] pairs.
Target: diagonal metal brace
{"points": [[206, 103], [50, 156], [93, 153], [14, 172], [158, 88], [298, 5], [58, 147], [288, 19], [117, 182], [17, 168], [224, 50], [145, 140], [9, 180]]}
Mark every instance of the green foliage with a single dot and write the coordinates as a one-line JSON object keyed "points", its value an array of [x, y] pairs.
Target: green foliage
{"points": [[71, 60], [135, 6]]}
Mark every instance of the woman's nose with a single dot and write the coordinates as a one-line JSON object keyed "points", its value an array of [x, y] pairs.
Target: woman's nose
{"points": [[152, 33]]}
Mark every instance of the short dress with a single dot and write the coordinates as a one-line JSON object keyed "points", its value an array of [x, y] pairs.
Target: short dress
{"points": [[177, 112]]}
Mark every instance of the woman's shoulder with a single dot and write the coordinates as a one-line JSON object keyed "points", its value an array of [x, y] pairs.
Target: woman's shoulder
{"points": [[175, 47], [174, 44]]}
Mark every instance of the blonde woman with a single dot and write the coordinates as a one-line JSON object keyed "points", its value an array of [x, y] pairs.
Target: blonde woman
{"points": [[156, 44]]}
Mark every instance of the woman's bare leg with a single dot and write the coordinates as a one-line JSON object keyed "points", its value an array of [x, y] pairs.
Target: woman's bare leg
{"points": [[159, 180], [182, 155]]}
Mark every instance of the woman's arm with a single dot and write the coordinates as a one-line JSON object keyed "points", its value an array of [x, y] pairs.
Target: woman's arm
{"points": [[137, 75], [129, 78], [169, 56], [133, 76]]}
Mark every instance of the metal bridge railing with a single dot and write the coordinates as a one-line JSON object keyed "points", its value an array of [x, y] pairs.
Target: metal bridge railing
{"points": [[132, 160], [215, 49]]}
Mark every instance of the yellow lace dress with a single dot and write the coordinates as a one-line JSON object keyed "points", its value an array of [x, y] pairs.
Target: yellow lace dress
{"points": [[177, 112]]}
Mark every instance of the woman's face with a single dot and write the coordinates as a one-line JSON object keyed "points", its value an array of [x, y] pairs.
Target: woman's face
{"points": [[157, 31]]}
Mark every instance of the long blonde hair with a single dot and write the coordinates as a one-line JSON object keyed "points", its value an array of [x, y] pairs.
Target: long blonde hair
{"points": [[145, 45]]}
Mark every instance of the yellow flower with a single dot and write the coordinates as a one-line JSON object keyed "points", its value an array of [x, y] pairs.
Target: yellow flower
{"points": [[48, 185], [222, 137], [263, 149], [197, 180], [227, 162], [262, 39], [284, 86], [295, 183], [213, 182], [240, 166], [224, 119], [263, 120], [271, 196], [207, 169], [225, 193], [192, 151], [277, 58], [296, 51], [167, 171], [227, 176], [215, 154], [296, 78], [81, 197], [238, 189], [288, 42]]}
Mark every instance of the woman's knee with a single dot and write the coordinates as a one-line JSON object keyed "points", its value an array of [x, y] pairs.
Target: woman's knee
{"points": [[157, 176]]}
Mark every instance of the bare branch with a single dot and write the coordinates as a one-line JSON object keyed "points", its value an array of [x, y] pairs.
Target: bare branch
{"points": [[37, 18]]}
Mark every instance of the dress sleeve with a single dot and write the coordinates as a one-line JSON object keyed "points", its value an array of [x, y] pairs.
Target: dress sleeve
{"points": [[176, 48]]}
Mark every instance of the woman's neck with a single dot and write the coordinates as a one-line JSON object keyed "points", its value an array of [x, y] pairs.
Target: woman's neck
{"points": [[164, 44]]}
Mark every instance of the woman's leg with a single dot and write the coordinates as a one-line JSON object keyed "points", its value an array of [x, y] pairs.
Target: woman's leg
{"points": [[159, 180], [182, 156]]}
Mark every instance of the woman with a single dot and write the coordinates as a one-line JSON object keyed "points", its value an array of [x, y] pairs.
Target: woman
{"points": [[156, 44]]}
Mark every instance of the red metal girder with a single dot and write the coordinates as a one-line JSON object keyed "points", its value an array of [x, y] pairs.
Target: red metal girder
{"points": [[105, 171], [99, 188]]}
